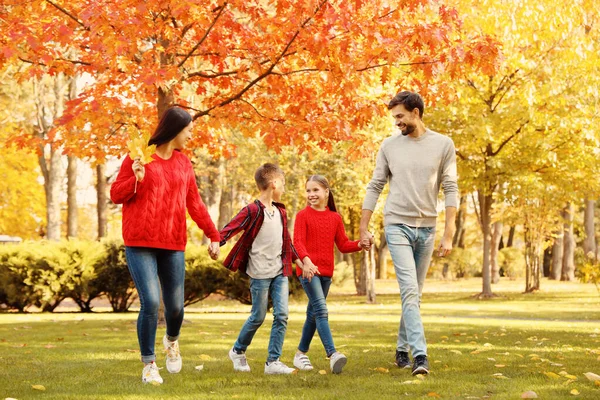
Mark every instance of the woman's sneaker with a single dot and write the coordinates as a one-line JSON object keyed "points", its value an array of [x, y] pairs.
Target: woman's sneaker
{"points": [[239, 361], [337, 361], [173, 356], [277, 368], [302, 362], [151, 375]]}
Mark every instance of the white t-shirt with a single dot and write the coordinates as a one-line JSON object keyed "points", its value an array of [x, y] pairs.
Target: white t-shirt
{"points": [[264, 261]]}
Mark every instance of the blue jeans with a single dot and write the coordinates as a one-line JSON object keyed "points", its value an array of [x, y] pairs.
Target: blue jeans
{"points": [[150, 269], [411, 249], [316, 314], [278, 287]]}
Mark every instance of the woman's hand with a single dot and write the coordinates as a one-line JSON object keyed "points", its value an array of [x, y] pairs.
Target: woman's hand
{"points": [[214, 249], [309, 269], [138, 170]]}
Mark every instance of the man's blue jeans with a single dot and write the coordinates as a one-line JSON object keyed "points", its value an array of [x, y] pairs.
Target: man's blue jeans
{"points": [[150, 269], [278, 287], [316, 314], [411, 249]]}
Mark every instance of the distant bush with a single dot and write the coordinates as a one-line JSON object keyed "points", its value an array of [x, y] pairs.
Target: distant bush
{"points": [[511, 262], [461, 263]]}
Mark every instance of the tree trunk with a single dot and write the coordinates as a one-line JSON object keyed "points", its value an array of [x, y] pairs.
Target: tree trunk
{"points": [[589, 244], [52, 186], [511, 236], [557, 255], [568, 269], [459, 235], [102, 200], [532, 259], [226, 202], [72, 212], [369, 259], [496, 236], [382, 256], [361, 286], [485, 209], [547, 263]]}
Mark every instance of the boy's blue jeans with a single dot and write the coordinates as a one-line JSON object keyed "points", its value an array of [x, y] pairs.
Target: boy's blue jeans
{"points": [[411, 249], [150, 269], [316, 314], [278, 287]]}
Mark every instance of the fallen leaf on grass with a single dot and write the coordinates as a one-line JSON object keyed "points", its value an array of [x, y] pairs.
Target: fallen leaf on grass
{"points": [[500, 376], [206, 357], [567, 383], [456, 351], [597, 383], [551, 375], [488, 345], [433, 394], [366, 350], [421, 377], [38, 387], [49, 346], [21, 345], [592, 377], [415, 382], [199, 367], [499, 365], [574, 392], [323, 372], [530, 394], [381, 369]]}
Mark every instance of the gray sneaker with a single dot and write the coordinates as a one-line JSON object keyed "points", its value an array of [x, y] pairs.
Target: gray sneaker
{"points": [[239, 361], [337, 361]]}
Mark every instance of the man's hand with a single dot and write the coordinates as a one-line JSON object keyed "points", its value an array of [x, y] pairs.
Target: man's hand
{"points": [[445, 246], [366, 240]]}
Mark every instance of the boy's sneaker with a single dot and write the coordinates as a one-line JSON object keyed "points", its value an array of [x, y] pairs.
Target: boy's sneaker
{"points": [[337, 361], [402, 360], [420, 366], [239, 361], [151, 375], [277, 367], [173, 355], [302, 362]]}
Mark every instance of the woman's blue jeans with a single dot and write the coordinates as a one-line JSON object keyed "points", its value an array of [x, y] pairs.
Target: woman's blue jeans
{"points": [[317, 317], [150, 269]]}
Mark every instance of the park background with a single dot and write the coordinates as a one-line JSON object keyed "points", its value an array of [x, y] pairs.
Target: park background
{"points": [[513, 83]]}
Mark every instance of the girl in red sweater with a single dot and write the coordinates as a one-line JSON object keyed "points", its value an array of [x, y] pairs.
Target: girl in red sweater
{"points": [[155, 198], [317, 228]]}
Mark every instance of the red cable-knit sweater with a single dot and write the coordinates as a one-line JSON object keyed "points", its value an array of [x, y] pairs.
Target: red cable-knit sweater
{"points": [[154, 216], [315, 232]]}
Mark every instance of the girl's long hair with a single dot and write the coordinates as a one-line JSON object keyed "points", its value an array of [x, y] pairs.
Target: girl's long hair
{"points": [[321, 180], [172, 122]]}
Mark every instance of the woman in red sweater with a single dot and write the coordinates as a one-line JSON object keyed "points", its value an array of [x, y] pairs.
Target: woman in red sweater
{"points": [[317, 228], [155, 198]]}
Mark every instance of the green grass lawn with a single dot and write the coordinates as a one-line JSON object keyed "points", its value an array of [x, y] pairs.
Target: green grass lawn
{"points": [[494, 349]]}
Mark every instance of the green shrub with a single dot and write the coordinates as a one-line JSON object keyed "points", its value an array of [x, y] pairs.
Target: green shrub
{"points": [[461, 263], [587, 268], [14, 266], [203, 275], [511, 262], [113, 278]]}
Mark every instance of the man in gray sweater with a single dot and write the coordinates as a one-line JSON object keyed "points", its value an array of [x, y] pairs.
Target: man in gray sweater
{"points": [[416, 163]]}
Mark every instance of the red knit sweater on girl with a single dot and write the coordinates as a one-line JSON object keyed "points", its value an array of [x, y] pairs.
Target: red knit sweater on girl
{"points": [[315, 232], [154, 215]]}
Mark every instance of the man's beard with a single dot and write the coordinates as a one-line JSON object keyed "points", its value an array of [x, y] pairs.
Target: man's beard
{"points": [[408, 130]]}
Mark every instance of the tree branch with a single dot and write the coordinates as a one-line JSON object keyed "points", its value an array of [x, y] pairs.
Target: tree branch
{"points": [[68, 14], [508, 139], [221, 8]]}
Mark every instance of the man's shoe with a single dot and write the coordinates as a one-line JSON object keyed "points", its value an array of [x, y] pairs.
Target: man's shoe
{"points": [[337, 361], [302, 362], [278, 368], [239, 361], [173, 355], [420, 366], [151, 375], [402, 360]]}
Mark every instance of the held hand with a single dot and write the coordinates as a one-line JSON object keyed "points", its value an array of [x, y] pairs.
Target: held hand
{"points": [[138, 170], [366, 240], [214, 250], [306, 274], [445, 247]]}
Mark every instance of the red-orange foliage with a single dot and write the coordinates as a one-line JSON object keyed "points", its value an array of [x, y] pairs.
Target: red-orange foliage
{"points": [[294, 70]]}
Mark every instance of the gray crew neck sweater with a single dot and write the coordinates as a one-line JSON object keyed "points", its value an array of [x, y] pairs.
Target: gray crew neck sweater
{"points": [[415, 168]]}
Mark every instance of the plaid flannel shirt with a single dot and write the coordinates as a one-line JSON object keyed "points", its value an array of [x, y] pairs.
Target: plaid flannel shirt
{"points": [[250, 220]]}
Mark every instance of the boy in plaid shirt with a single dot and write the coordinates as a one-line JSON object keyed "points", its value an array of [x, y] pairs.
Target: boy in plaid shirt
{"points": [[265, 253]]}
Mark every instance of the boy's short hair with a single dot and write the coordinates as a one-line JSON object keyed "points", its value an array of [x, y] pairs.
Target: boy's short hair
{"points": [[265, 174]]}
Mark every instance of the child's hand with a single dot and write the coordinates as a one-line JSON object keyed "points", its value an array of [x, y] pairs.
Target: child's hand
{"points": [[365, 244]]}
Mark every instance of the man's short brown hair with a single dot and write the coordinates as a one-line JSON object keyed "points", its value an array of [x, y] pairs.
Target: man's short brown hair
{"points": [[265, 174]]}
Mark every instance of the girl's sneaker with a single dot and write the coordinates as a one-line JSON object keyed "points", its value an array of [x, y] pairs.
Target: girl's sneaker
{"points": [[173, 356], [277, 367], [337, 361], [151, 375], [302, 362], [239, 361]]}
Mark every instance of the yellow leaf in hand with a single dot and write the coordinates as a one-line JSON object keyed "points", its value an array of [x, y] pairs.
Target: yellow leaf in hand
{"points": [[139, 149]]}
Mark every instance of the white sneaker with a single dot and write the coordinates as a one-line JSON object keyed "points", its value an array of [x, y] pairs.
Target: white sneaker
{"points": [[277, 367], [337, 361], [302, 362], [173, 356], [151, 375], [239, 361]]}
